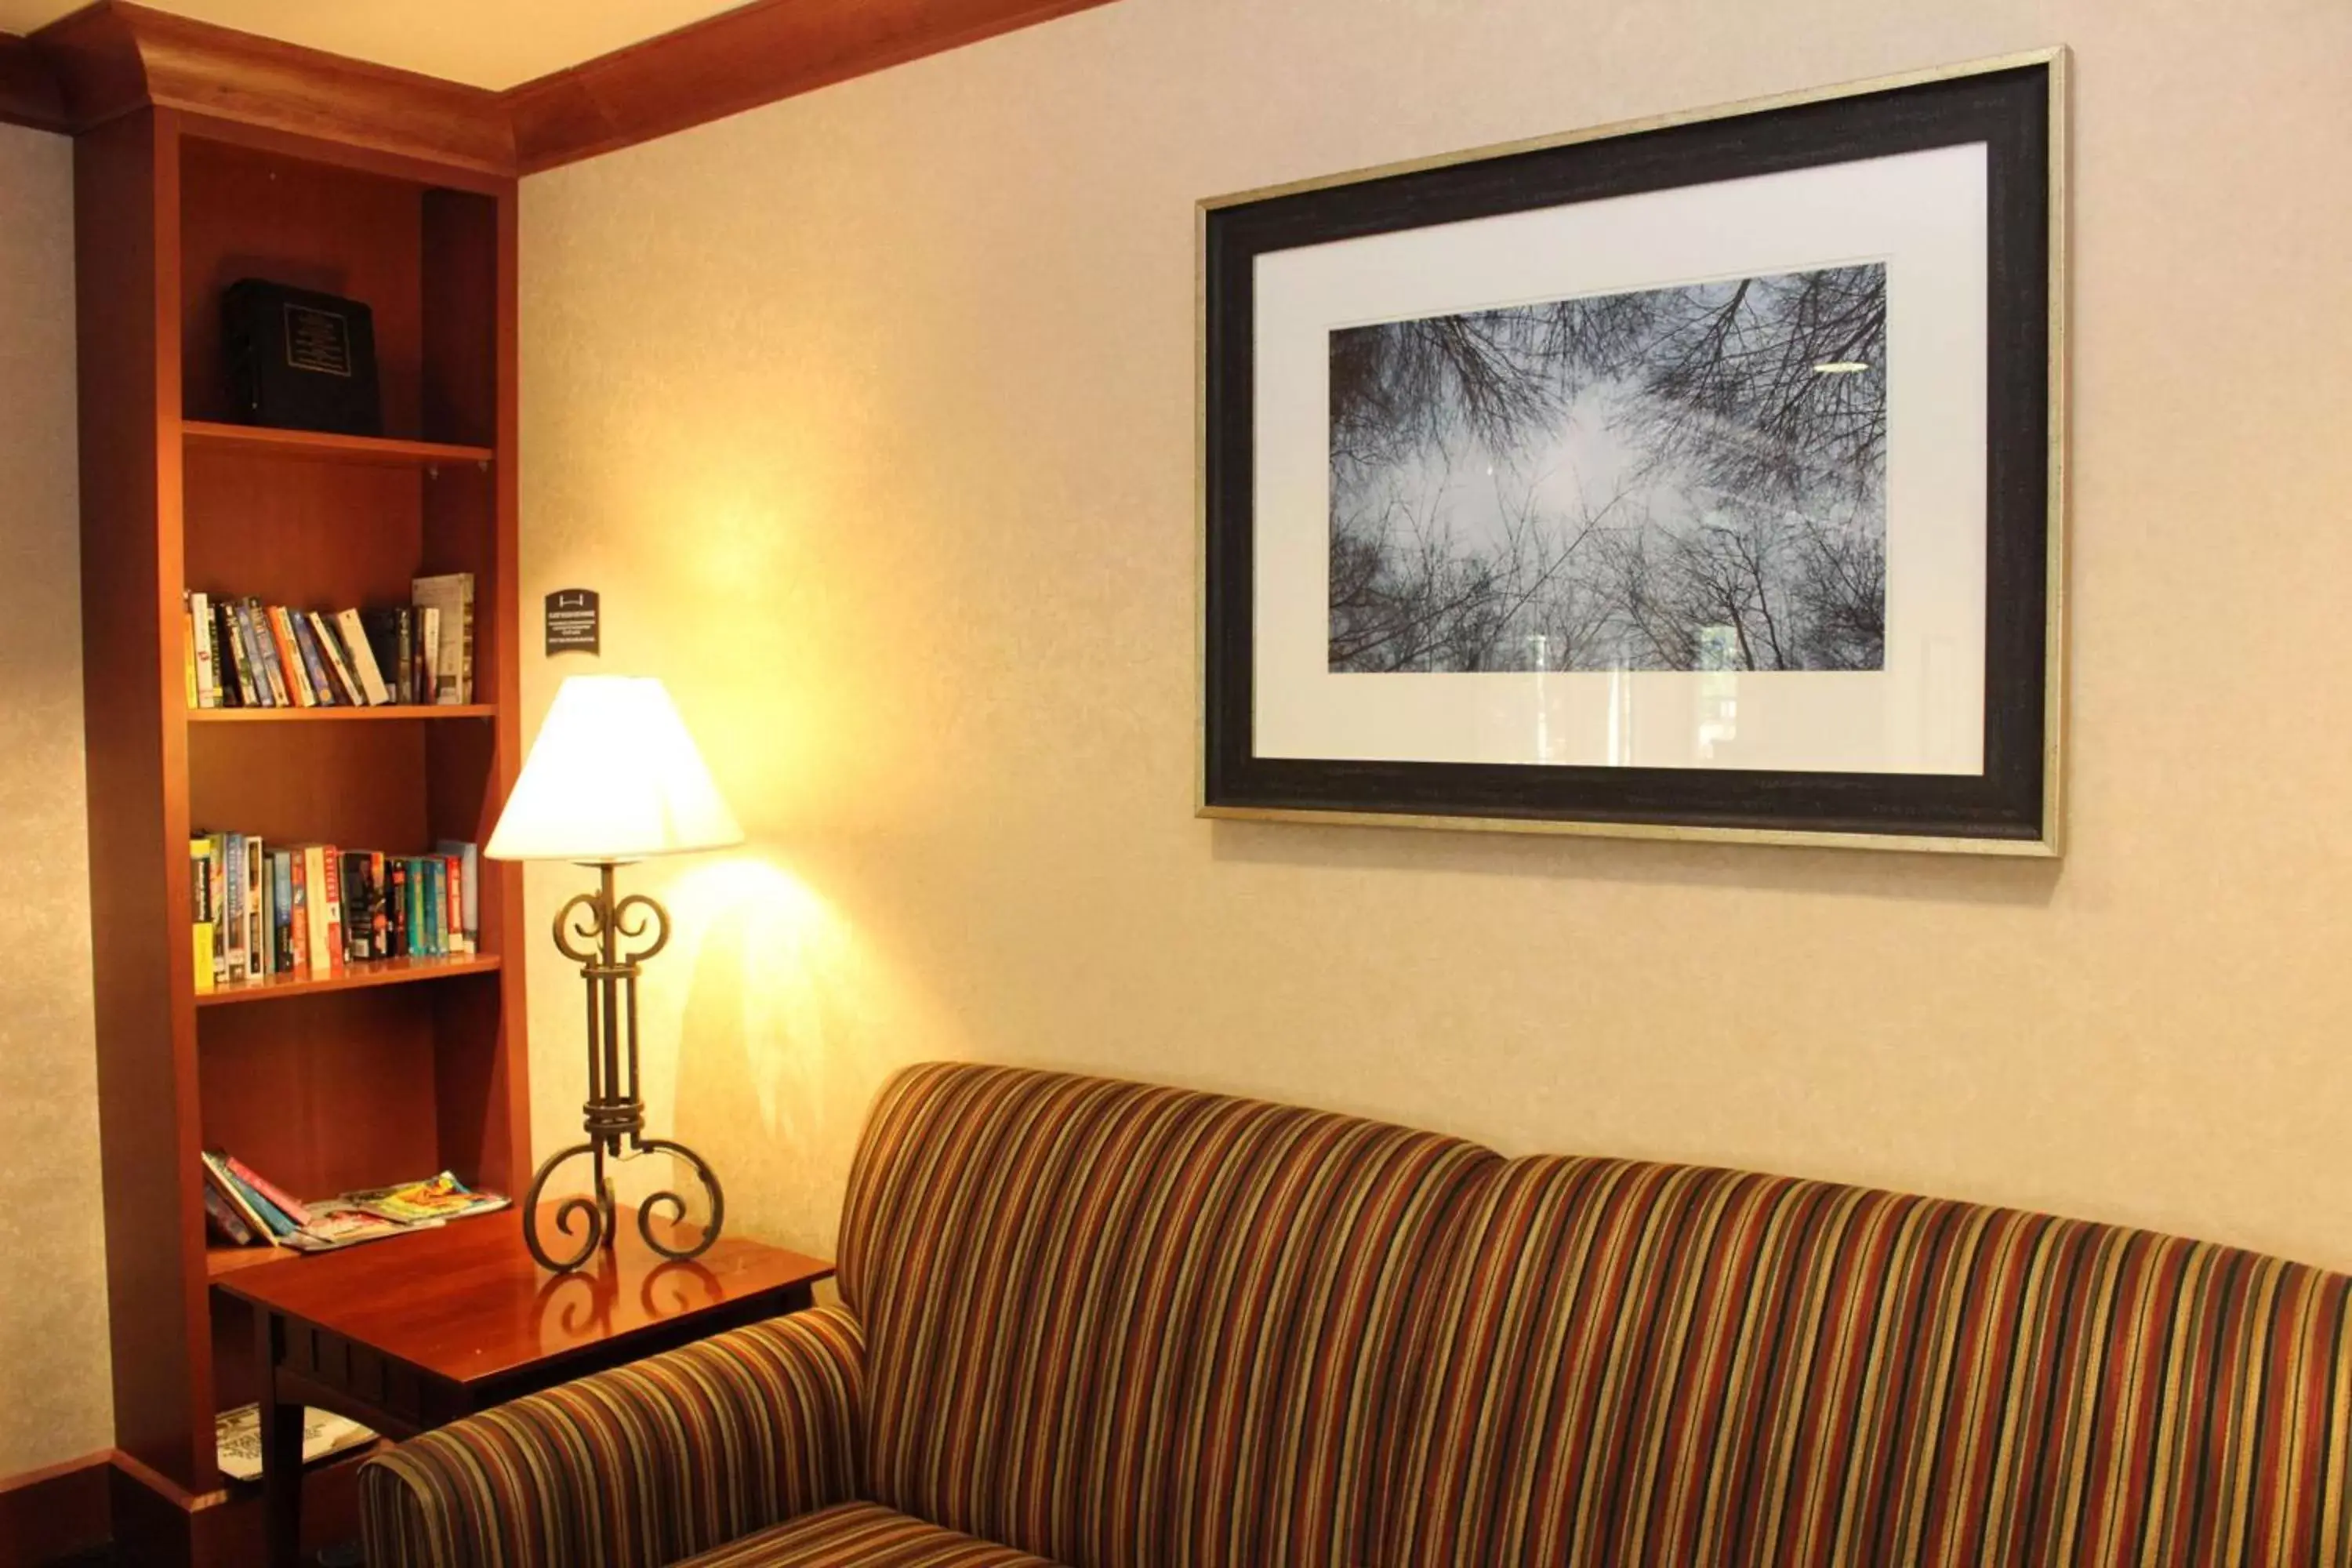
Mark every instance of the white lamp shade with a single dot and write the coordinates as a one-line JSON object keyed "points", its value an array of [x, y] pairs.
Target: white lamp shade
{"points": [[613, 776]]}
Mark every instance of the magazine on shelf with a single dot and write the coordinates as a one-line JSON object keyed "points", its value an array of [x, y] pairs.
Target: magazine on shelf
{"points": [[236, 1439]]}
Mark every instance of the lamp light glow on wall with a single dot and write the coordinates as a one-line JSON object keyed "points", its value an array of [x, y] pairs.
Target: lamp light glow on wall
{"points": [[614, 777]]}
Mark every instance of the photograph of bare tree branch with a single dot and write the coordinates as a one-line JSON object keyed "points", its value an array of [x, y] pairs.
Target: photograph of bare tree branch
{"points": [[1680, 478]]}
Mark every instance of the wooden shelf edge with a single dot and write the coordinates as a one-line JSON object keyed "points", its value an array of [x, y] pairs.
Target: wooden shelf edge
{"points": [[341, 715], [221, 1260], [355, 977], [377, 450]]}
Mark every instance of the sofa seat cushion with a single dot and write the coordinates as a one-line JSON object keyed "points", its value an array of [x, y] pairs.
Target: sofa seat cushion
{"points": [[1637, 1365], [866, 1534]]}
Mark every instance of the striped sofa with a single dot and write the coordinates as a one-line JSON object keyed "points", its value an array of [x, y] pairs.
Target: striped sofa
{"points": [[1105, 1324]]}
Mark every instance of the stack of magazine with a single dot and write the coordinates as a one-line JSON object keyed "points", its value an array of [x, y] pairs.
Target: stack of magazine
{"points": [[244, 1208]]}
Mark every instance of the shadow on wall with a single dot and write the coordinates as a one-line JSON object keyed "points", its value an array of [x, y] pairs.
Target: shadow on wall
{"points": [[1931, 877], [791, 1025]]}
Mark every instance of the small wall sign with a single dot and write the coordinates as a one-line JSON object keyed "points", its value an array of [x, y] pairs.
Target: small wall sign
{"points": [[572, 622]]}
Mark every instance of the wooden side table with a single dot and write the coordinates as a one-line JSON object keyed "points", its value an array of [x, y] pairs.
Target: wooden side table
{"points": [[409, 1333]]}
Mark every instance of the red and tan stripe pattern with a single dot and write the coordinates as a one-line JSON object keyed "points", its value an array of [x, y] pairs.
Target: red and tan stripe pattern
{"points": [[1643, 1364], [634, 1467], [1122, 1326], [862, 1534]]}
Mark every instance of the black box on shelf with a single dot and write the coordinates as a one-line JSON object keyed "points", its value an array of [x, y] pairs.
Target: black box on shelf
{"points": [[300, 359]]}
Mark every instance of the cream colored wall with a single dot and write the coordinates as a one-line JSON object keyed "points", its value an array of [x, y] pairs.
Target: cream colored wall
{"points": [[871, 414], [56, 1398]]}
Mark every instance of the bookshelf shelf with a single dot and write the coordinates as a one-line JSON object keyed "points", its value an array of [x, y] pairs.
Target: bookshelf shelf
{"points": [[340, 715], [352, 977], [220, 1260], [378, 451]]}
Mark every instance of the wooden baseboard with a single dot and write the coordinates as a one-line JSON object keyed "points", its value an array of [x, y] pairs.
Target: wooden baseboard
{"points": [[53, 1512], [82, 1503]]}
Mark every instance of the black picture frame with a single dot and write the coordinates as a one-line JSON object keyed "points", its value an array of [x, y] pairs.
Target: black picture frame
{"points": [[2014, 107]]}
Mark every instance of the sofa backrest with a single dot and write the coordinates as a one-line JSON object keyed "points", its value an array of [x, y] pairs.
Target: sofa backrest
{"points": [[1638, 1363], [1115, 1324]]}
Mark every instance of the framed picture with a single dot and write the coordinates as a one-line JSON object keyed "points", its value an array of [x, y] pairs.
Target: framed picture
{"points": [[1695, 478]]}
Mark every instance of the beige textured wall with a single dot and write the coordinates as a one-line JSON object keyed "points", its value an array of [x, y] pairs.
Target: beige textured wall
{"points": [[55, 1394], [871, 413]]}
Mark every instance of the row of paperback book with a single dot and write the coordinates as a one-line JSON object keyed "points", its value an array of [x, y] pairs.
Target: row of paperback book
{"points": [[262, 909], [242, 653], [244, 1208]]}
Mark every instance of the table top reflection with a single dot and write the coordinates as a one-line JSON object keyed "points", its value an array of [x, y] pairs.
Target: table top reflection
{"points": [[466, 1301]]}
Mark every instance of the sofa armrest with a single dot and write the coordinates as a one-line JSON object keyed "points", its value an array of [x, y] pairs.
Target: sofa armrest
{"points": [[636, 1467]]}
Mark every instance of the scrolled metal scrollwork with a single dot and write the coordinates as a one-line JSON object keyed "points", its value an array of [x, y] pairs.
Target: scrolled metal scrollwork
{"points": [[589, 929], [677, 1204], [597, 1211], [649, 913]]}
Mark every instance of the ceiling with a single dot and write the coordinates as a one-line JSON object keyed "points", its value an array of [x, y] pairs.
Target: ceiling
{"points": [[488, 43]]}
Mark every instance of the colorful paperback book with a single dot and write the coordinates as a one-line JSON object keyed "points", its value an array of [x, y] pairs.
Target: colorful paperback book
{"points": [[317, 864], [358, 938], [391, 638], [308, 663], [232, 905], [453, 897], [297, 910], [359, 649], [281, 911], [436, 896], [334, 901], [200, 620], [268, 1189], [256, 929], [236, 1198], [200, 900], [188, 650], [316, 676], [227, 1223], [428, 654], [379, 920], [265, 904], [469, 897], [249, 1200], [237, 686], [269, 675], [339, 668], [330, 655], [395, 904], [449, 599], [416, 947]]}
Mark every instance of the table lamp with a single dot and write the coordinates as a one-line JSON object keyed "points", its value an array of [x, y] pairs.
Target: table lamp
{"points": [[613, 777]]}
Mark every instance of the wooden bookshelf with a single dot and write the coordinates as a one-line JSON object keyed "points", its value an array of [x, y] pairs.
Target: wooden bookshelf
{"points": [[382, 1071]]}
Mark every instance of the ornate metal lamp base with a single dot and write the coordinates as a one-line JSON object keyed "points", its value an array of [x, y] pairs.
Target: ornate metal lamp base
{"points": [[615, 1116], [598, 1212]]}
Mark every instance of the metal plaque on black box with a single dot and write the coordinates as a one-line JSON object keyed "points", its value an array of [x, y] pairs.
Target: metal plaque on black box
{"points": [[300, 359]]}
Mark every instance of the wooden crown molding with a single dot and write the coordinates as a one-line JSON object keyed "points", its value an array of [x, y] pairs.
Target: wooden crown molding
{"points": [[29, 94], [741, 59], [115, 57]]}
